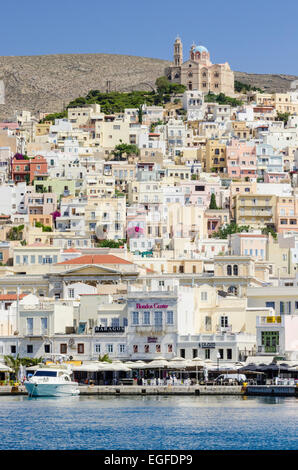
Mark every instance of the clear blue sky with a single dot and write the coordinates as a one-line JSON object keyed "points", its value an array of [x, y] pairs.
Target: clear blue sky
{"points": [[257, 36]]}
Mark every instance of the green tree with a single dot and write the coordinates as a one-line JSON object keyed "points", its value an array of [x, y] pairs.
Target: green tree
{"points": [[241, 87], [267, 230], [213, 204], [127, 149], [15, 233], [227, 230], [104, 358], [140, 114], [14, 363], [282, 117], [110, 243]]}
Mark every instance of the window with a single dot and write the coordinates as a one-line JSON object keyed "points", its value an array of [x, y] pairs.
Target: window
{"points": [[44, 325], [29, 348], [135, 318], [146, 318], [204, 295], [81, 348], [170, 317], [221, 353], [13, 349], [63, 348], [71, 293], [158, 318], [110, 348], [229, 354], [229, 270], [182, 353], [135, 348], [157, 348], [285, 307], [224, 321], [270, 304], [235, 270], [146, 348], [194, 353], [47, 348], [208, 323], [97, 348], [115, 322], [29, 326], [207, 353], [121, 348]]}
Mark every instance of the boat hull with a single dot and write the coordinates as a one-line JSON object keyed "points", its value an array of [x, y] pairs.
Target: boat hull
{"points": [[51, 390]]}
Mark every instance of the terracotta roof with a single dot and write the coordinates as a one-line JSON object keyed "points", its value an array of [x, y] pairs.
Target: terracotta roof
{"points": [[11, 296], [97, 259]]}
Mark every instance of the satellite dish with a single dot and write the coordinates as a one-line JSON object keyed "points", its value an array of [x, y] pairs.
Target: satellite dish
{"points": [[101, 232]]}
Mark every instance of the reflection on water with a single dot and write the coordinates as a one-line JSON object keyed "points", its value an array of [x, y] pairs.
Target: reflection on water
{"points": [[149, 422]]}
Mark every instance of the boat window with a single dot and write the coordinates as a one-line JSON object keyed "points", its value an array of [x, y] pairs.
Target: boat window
{"points": [[45, 373]]}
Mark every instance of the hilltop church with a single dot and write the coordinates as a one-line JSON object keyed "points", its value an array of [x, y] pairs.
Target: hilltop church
{"points": [[198, 72]]}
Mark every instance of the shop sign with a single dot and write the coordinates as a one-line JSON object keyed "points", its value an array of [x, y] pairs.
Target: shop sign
{"points": [[207, 345], [152, 339], [109, 329], [149, 306]]}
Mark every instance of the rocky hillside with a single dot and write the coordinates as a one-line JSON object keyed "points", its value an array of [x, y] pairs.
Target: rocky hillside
{"points": [[47, 83]]}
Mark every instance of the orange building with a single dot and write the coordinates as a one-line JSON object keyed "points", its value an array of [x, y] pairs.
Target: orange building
{"points": [[26, 170]]}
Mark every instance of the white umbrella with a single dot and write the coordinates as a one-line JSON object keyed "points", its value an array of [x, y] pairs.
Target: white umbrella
{"points": [[135, 365], [197, 361], [87, 368], [5, 368], [121, 367], [157, 364]]}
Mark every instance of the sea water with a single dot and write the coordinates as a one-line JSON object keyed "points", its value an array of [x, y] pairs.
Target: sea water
{"points": [[148, 423]]}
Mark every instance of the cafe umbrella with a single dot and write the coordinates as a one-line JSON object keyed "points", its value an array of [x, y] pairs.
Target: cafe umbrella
{"points": [[178, 363], [158, 363], [197, 361]]}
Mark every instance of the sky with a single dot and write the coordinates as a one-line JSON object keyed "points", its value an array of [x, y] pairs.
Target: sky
{"points": [[254, 36]]}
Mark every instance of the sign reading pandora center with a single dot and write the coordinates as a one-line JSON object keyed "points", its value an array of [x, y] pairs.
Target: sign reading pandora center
{"points": [[148, 306]]}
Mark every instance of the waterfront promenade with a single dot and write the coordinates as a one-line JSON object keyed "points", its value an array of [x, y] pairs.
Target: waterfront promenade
{"points": [[142, 390], [192, 390]]}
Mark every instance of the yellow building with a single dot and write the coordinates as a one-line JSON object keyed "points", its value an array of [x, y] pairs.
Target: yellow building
{"points": [[255, 210], [215, 156]]}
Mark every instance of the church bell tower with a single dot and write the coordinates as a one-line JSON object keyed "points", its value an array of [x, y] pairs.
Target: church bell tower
{"points": [[178, 54]]}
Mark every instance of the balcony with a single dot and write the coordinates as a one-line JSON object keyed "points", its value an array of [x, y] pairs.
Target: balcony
{"points": [[148, 329], [269, 349], [224, 329]]}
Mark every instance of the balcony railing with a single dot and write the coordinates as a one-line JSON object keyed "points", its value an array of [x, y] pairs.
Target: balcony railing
{"points": [[269, 349]]}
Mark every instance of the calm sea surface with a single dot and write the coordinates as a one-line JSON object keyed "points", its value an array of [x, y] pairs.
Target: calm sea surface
{"points": [[150, 423]]}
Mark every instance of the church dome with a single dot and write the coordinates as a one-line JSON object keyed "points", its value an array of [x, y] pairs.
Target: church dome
{"points": [[200, 49]]}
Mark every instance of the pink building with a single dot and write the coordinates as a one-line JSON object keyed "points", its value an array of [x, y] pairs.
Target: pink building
{"points": [[241, 160], [199, 192], [276, 177]]}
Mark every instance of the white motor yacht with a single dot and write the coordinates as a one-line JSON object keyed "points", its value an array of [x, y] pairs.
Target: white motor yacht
{"points": [[51, 382]]}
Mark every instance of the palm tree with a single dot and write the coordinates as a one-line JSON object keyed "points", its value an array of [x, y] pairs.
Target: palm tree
{"points": [[104, 358], [14, 363], [31, 361]]}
